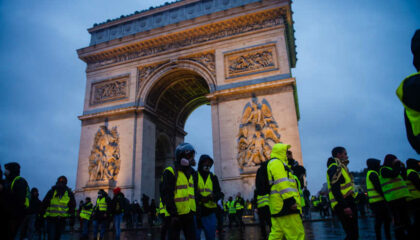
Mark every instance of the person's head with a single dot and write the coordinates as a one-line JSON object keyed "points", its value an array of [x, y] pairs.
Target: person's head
{"points": [[299, 171], [61, 182], [11, 170], [389, 160], [34, 192], [184, 154], [205, 163], [87, 199], [340, 153], [135, 201], [116, 190], [373, 164], [230, 198], [101, 193], [415, 49], [413, 164], [238, 195], [289, 154]]}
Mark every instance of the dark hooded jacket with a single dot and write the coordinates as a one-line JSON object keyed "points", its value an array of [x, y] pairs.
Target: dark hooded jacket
{"points": [[61, 190], [414, 178], [410, 92], [336, 189], [15, 197], [217, 193], [375, 165]]}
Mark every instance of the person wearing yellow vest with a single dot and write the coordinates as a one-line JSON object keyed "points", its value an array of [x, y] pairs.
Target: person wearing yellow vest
{"points": [[240, 206], [178, 193], [376, 198], [284, 197], [413, 183], [101, 214], [408, 93], [85, 215], [209, 193], [59, 205], [231, 211], [395, 193], [341, 192], [261, 196], [17, 198]]}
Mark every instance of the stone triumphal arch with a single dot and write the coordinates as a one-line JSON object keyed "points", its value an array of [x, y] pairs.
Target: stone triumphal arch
{"points": [[146, 72]]}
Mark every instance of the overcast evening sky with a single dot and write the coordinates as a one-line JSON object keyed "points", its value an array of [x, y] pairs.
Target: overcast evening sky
{"points": [[352, 55]]}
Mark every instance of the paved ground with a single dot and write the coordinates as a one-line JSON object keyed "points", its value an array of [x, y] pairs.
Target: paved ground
{"points": [[315, 229]]}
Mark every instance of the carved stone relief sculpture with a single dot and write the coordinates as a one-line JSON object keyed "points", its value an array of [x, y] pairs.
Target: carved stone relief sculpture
{"points": [[258, 132], [104, 160], [251, 61], [109, 90]]}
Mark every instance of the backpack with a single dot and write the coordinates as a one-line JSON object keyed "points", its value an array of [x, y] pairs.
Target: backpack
{"points": [[262, 185]]}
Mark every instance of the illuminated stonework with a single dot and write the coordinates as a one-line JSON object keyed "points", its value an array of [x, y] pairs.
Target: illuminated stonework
{"points": [[109, 90], [258, 132], [104, 160]]}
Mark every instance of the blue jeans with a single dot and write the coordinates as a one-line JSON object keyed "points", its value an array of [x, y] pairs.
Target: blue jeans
{"points": [[209, 224], [85, 228], [117, 225], [96, 225]]}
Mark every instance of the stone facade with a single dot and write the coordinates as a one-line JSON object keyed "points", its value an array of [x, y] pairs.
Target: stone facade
{"points": [[143, 86]]}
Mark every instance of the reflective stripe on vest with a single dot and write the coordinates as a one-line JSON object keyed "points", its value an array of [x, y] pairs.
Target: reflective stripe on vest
{"points": [[346, 188], [412, 115], [283, 185], [28, 193], [101, 204], [162, 209], [262, 201], [373, 195], [231, 207], [86, 213], [58, 206], [238, 205], [184, 193], [394, 188], [206, 189], [414, 192]]}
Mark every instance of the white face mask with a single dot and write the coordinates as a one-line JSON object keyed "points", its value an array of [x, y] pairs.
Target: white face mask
{"points": [[185, 162]]}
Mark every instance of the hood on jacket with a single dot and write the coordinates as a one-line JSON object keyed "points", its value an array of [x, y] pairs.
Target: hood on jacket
{"points": [[373, 164], [13, 168], [389, 158], [413, 164], [279, 151], [201, 161]]}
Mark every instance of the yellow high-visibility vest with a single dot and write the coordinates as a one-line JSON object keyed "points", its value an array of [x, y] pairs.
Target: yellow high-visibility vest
{"points": [[283, 185], [28, 193], [412, 115], [162, 209], [231, 207], [414, 192], [86, 213], [299, 187], [58, 206], [373, 195], [205, 189], [101, 204], [394, 188], [184, 193], [346, 188]]}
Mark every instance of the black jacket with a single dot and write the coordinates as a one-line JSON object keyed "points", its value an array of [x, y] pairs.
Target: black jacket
{"points": [[50, 194], [118, 204], [335, 188]]}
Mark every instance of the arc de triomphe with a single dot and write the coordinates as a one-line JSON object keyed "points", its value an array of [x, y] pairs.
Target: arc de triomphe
{"points": [[146, 72]]}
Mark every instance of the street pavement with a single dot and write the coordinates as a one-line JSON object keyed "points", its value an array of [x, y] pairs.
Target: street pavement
{"points": [[315, 229]]}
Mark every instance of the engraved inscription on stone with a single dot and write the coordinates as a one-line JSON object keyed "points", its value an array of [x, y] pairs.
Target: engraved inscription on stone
{"points": [[251, 61], [258, 132], [104, 160], [109, 90]]}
